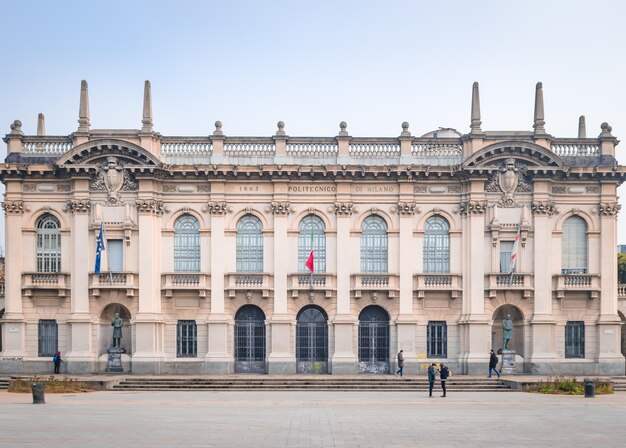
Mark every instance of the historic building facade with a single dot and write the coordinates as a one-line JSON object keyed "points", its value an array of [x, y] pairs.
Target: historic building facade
{"points": [[207, 239]]}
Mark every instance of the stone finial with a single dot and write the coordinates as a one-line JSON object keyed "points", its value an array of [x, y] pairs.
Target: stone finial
{"points": [[405, 129], [343, 126], [606, 130], [16, 128], [147, 108], [41, 125], [539, 116], [218, 128], [83, 111], [475, 123], [281, 128], [582, 127]]}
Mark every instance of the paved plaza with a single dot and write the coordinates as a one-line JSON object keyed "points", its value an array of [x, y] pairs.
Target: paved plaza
{"points": [[322, 419]]}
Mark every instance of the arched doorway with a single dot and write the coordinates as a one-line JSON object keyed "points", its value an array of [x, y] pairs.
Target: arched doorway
{"points": [[250, 345], [517, 341], [621, 315], [106, 329], [312, 340], [373, 340]]}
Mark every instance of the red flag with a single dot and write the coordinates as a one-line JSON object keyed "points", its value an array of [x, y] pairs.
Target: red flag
{"points": [[309, 262]]}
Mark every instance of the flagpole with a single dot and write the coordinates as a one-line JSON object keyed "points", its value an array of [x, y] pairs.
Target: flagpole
{"points": [[105, 238], [516, 246]]}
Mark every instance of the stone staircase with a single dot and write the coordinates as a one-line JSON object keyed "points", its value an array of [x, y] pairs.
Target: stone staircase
{"points": [[619, 383], [307, 383], [4, 383]]}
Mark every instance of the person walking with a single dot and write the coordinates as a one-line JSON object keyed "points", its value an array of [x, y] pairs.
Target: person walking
{"points": [[400, 363], [444, 373], [493, 363], [432, 375], [56, 359]]}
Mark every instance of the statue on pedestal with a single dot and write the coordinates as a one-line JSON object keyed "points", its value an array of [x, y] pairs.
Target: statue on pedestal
{"points": [[117, 330], [507, 331]]}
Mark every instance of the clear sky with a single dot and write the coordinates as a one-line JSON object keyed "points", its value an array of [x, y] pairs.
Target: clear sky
{"points": [[313, 64]]}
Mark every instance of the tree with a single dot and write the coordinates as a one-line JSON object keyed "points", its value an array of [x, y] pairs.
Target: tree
{"points": [[621, 268]]}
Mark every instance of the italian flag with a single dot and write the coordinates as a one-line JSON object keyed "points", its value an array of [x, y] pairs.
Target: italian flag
{"points": [[310, 261]]}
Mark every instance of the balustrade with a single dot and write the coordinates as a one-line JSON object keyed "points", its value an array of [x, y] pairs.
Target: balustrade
{"points": [[375, 282], [437, 282], [577, 282], [45, 280], [189, 281], [128, 281], [46, 146], [576, 149], [496, 281], [241, 281]]}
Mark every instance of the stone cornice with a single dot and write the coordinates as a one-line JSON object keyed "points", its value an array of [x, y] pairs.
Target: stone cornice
{"points": [[544, 208], [150, 206], [78, 206], [13, 207], [473, 207], [609, 209]]}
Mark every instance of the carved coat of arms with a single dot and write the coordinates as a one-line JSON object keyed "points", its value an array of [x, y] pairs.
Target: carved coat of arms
{"points": [[112, 177], [509, 179]]}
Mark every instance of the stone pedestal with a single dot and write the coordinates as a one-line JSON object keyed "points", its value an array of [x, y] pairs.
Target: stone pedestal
{"points": [[114, 363], [508, 361]]}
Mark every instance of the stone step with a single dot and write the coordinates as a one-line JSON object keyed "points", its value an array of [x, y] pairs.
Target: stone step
{"points": [[4, 384], [342, 389]]}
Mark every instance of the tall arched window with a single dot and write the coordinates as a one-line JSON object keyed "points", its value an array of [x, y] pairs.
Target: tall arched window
{"points": [[374, 244], [436, 245], [48, 244], [574, 246], [187, 244], [249, 244], [312, 237]]}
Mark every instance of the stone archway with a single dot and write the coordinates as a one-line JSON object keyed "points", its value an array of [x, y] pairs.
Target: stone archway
{"points": [[517, 341], [105, 338]]}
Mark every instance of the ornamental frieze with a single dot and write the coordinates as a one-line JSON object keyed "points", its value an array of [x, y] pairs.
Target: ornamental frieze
{"points": [[78, 206], [344, 208], [510, 178], [473, 207], [217, 208], [13, 207], [112, 177], [543, 208], [150, 206], [280, 208], [609, 208], [406, 208]]}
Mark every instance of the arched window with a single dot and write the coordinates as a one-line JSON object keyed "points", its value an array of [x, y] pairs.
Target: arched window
{"points": [[574, 246], [312, 237], [374, 244], [48, 244], [186, 244], [436, 245], [249, 244]]}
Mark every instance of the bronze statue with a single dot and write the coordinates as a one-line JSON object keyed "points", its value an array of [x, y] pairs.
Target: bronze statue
{"points": [[507, 331], [117, 330]]}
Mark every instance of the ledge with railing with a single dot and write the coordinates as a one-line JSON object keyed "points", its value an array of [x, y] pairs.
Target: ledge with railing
{"points": [[375, 282], [45, 280], [564, 147], [47, 146], [248, 282], [451, 283], [565, 282], [186, 281], [621, 291], [128, 281], [319, 281], [497, 281]]}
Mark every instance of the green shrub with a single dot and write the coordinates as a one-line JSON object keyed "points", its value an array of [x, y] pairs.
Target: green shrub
{"points": [[52, 384], [569, 386]]}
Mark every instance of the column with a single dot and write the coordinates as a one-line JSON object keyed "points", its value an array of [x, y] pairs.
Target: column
{"points": [[149, 354], [81, 357]]}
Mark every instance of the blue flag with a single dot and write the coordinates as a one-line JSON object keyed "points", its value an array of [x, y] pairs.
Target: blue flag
{"points": [[99, 249]]}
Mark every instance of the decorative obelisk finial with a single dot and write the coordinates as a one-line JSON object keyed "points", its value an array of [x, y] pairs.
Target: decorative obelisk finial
{"points": [[83, 112], [475, 124], [147, 108], [41, 125], [582, 127], [539, 117]]}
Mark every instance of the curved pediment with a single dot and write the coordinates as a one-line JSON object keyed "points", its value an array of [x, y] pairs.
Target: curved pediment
{"points": [[529, 153], [95, 151]]}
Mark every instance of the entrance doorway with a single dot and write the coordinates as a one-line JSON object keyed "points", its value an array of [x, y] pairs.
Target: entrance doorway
{"points": [[312, 341], [250, 340], [373, 340]]}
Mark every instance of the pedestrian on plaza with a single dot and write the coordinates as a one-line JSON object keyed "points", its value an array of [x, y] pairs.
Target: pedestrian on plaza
{"points": [[432, 375], [444, 373], [493, 363], [400, 363], [56, 359]]}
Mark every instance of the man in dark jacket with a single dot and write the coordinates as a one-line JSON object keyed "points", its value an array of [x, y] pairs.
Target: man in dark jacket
{"points": [[493, 363], [444, 373], [56, 359], [400, 363], [432, 375]]}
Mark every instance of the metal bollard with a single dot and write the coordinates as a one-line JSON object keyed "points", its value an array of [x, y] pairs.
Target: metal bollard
{"points": [[39, 393], [590, 388]]}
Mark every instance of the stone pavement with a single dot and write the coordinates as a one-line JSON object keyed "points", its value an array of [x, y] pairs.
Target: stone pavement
{"points": [[320, 419]]}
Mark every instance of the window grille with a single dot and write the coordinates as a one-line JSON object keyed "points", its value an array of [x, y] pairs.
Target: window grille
{"points": [[436, 245], [187, 339], [373, 335], [312, 335], [574, 246], [437, 339], [250, 334], [374, 245], [48, 244], [575, 339], [312, 227], [187, 244], [48, 337], [506, 248], [249, 244]]}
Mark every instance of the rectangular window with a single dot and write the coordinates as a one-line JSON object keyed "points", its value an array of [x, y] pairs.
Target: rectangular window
{"points": [[506, 247], [186, 339], [575, 339], [437, 339], [114, 251], [48, 337]]}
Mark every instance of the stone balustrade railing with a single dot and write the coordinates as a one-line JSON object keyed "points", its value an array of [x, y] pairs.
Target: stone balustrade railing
{"points": [[577, 282], [45, 280], [249, 149], [47, 145], [374, 150], [575, 148], [437, 282], [375, 282], [194, 281], [128, 281], [312, 149], [448, 152], [248, 282], [621, 291]]}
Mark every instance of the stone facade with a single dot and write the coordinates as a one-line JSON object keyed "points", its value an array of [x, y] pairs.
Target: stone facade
{"points": [[376, 201]]}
